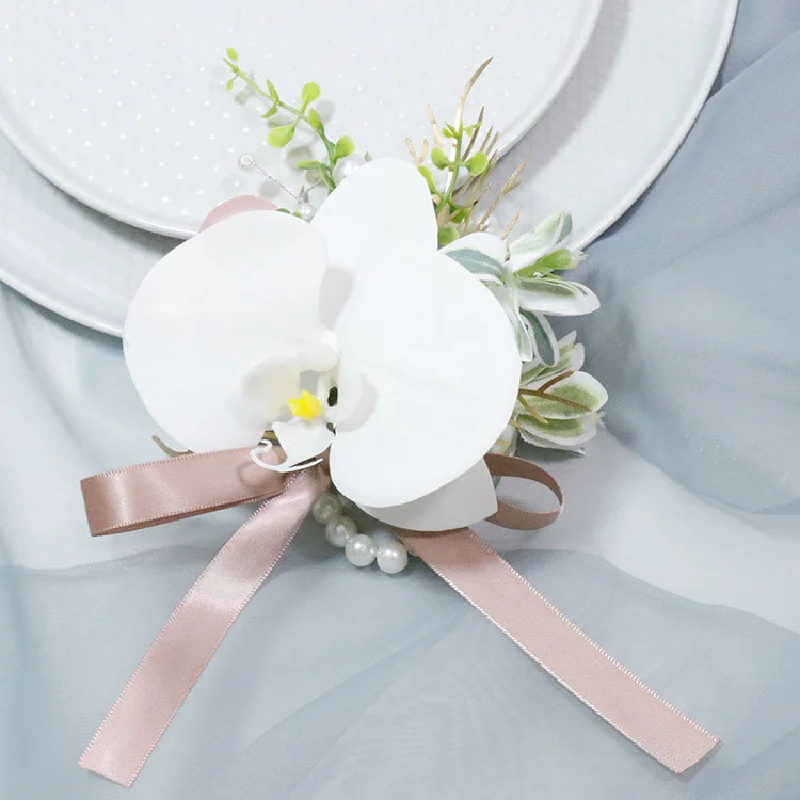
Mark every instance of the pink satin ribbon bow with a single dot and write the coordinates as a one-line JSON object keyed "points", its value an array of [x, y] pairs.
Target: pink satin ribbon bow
{"points": [[163, 491]]}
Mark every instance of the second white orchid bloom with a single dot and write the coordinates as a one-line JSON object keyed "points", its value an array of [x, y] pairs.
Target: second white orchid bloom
{"points": [[350, 333]]}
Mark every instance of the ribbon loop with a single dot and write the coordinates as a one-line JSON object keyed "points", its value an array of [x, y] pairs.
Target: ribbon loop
{"points": [[508, 516]]}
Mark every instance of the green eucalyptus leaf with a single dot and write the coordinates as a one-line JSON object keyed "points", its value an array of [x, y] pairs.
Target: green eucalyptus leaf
{"points": [[232, 54], [439, 158], [545, 344], [477, 263], [477, 164], [344, 147], [280, 136], [310, 92]]}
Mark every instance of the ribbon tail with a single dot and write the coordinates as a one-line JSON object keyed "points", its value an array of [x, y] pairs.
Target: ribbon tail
{"points": [[191, 636], [489, 583]]}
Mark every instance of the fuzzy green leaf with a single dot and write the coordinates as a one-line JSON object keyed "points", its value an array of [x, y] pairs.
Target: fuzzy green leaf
{"points": [[545, 344], [280, 136], [232, 54], [439, 159], [477, 263], [580, 389], [310, 92], [562, 434], [344, 147]]}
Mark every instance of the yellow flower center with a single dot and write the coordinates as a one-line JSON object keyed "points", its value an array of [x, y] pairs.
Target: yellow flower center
{"points": [[307, 406]]}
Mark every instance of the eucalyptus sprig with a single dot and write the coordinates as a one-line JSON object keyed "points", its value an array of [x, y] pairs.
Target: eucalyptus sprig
{"points": [[466, 156], [281, 135]]}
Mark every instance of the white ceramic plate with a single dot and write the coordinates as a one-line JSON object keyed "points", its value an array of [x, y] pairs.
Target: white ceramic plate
{"points": [[123, 105], [630, 102]]}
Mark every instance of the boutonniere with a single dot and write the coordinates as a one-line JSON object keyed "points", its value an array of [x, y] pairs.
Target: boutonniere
{"points": [[374, 349]]}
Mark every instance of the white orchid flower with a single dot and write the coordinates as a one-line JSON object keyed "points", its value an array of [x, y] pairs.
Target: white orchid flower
{"points": [[521, 276], [350, 333]]}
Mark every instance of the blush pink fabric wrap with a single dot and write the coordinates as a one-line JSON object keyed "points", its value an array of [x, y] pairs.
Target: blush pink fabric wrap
{"points": [[163, 491]]}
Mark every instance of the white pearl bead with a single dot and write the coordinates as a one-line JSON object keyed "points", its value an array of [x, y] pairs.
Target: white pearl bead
{"points": [[339, 530], [248, 162], [326, 508], [360, 550], [392, 557]]}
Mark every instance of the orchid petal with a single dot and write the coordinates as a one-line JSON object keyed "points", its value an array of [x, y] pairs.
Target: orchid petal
{"points": [[465, 501], [383, 206], [263, 391], [445, 369], [241, 293], [301, 441]]}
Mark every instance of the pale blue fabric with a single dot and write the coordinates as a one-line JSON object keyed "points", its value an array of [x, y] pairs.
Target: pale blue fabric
{"points": [[700, 324], [336, 685]]}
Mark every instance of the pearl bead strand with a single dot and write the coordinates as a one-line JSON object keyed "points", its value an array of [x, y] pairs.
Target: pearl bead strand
{"points": [[360, 549]]}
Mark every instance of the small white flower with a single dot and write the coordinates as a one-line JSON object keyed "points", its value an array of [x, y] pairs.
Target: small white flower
{"points": [[251, 325], [522, 278]]}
